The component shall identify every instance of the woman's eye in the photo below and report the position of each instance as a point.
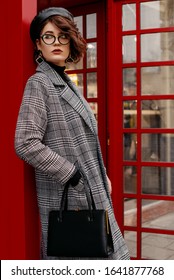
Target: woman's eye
(47, 36)
(63, 36)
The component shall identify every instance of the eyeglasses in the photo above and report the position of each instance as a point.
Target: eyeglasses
(50, 39)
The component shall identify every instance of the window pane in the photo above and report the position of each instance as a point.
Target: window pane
(130, 114)
(130, 146)
(129, 17)
(91, 55)
(157, 80)
(74, 66)
(130, 212)
(158, 180)
(129, 82)
(156, 14)
(157, 147)
(130, 179)
(91, 27)
(157, 113)
(158, 214)
(157, 46)
(129, 49)
(78, 80)
(92, 85)
(131, 241)
(94, 107)
(79, 22)
(157, 246)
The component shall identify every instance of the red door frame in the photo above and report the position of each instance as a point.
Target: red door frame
(114, 116)
(115, 119)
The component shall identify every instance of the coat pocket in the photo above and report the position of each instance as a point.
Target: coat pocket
(80, 186)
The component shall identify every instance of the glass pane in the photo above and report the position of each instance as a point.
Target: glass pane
(130, 114)
(91, 26)
(157, 14)
(129, 49)
(157, 246)
(158, 180)
(74, 66)
(129, 17)
(94, 107)
(158, 147)
(78, 80)
(130, 179)
(157, 80)
(157, 46)
(129, 82)
(131, 240)
(91, 55)
(92, 85)
(79, 22)
(157, 113)
(130, 212)
(130, 146)
(158, 214)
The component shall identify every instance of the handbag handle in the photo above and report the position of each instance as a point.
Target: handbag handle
(90, 200)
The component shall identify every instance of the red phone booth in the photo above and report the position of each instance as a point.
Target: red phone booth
(127, 78)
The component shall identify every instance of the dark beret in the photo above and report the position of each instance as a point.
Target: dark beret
(44, 15)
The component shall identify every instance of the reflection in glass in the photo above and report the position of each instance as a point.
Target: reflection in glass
(129, 82)
(157, 14)
(92, 85)
(129, 17)
(157, 246)
(130, 146)
(157, 113)
(94, 107)
(78, 80)
(91, 55)
(130, 179)
(79, 22)
(160, 50)
(158, 180)
(157, 80)
(129, 49)
(131, 241)
(130, 114)
(130, 212)
(158, 214)
(157, 147)
(91, 26)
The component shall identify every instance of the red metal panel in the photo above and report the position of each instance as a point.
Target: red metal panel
(19, 221)
(115, 148)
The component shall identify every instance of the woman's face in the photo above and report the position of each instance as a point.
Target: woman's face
(56, 52)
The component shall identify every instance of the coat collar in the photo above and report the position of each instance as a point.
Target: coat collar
(70, 94)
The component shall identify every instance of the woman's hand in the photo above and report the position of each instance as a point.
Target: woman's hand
(109, 185)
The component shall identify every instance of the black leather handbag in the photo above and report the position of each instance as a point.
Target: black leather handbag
(81, 233)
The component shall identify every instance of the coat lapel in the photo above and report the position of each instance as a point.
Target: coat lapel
(70, 94)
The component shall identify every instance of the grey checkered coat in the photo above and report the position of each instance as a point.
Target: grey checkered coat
(56, 132)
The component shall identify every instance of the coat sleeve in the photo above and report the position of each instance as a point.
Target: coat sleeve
(30, 130)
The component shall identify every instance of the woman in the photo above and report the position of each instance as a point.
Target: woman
(56, 131)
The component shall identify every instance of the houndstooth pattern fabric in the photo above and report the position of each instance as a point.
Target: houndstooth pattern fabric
(56, 132)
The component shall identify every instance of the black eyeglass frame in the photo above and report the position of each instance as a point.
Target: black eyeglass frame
(53, 36)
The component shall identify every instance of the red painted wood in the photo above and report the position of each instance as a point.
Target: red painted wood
(19, 233)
